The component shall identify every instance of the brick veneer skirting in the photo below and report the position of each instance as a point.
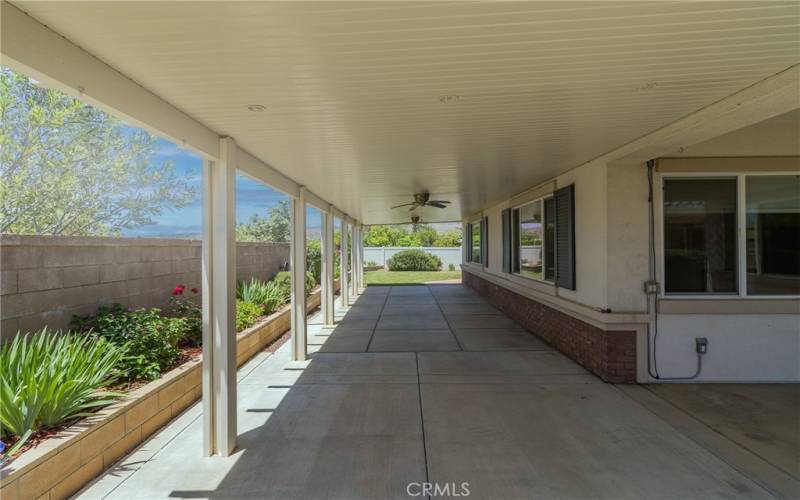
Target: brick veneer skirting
(611, 355)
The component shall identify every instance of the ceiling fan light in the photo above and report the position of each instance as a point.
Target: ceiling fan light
(256, 108)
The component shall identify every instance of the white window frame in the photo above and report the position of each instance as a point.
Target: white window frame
(741, 234)
(541, 201)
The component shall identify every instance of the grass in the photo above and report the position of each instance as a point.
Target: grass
(408, 277)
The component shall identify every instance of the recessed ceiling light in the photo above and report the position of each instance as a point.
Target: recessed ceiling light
(449, 98)
(256, 108)
(646, 86)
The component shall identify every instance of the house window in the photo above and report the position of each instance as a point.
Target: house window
(535, 237)
(773, 234)
(476, 231)
(700, 236)
(736, 234)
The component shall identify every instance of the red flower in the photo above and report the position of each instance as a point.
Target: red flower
(195, 290)
(178, 290)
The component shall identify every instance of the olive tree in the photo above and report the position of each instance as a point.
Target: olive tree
(67, 168)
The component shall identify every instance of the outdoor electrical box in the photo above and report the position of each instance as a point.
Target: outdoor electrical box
(651, 287)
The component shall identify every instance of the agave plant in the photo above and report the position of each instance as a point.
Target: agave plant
(47, 378)
(267, 295)
(275, 297)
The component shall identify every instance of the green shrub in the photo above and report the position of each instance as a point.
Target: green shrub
(149, 340)
(451, 267)
(187, 307)
(270, 295)
(414, 260)
(274, 298)
(283, 280)
(247, 314)
(47, 378)
(314, 259)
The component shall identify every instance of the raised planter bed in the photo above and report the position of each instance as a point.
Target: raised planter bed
(64, 463)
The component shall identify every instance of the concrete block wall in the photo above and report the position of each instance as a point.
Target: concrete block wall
(45, 280)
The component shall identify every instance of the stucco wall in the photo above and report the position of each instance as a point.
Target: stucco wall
(590, 236)
(47, 279)
(628, 229)
(755, 339)
(741, 347)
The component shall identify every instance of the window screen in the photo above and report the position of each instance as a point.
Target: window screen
(531, 236)
(700, 236)
(773, 234)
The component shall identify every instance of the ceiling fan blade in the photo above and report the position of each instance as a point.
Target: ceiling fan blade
(439, 201)
(435, 204)
(412, 208)
(403, 205)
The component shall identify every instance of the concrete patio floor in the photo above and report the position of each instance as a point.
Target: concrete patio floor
(429, 384)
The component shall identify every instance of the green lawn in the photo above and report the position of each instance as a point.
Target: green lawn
(408, 277)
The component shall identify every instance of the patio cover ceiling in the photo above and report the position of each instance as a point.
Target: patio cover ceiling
(370, 102)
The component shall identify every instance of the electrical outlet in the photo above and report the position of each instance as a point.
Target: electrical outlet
(651, 287)
(701, 345)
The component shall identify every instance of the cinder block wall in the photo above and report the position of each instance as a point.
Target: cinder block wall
(44, 280)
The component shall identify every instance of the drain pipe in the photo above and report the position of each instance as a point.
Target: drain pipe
(651, 289)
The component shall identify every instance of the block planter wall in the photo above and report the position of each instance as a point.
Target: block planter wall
(611, 355)
(47, 279)
(64, 463)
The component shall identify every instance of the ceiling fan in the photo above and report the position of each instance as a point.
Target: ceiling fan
(423, 200)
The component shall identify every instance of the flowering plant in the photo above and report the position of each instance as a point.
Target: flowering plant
(187, 307)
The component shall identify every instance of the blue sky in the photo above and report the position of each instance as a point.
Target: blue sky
(251, 198)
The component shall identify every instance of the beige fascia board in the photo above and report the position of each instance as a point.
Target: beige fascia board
(338, 213)
(254, 168)
(770, 97)
(730, 164)
(39, 52)
(542, 190)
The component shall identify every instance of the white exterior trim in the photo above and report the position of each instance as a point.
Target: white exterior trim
(344, 279)
(741, 235)
(327, 269)
(539, 200)
(219, 303)
(298, 270)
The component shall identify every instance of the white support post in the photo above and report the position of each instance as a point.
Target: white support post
(345, 290)
(327, 268)
(298, 269)
(354, 263)
(360, 259)
(219, 302)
